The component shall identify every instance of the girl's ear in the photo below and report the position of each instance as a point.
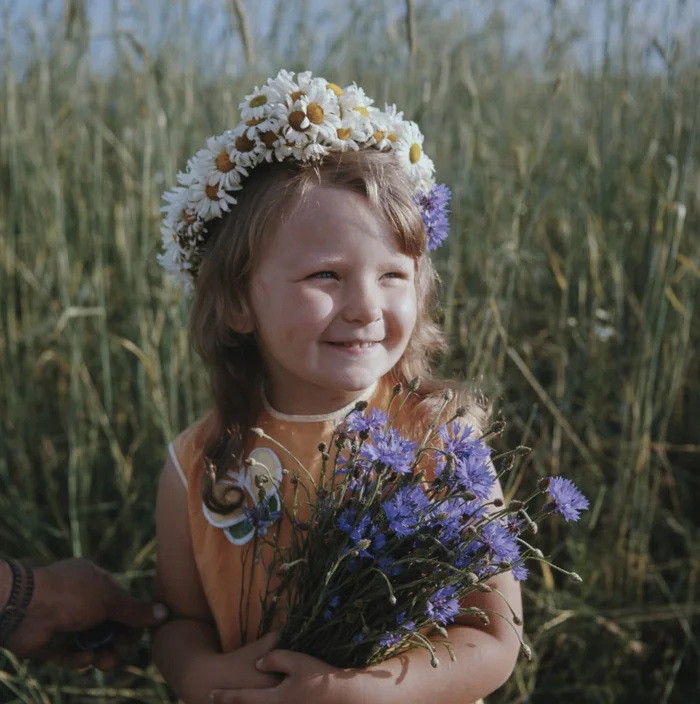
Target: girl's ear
(241, 321)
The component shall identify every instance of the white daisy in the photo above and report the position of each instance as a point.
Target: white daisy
(354, 130)
(354, 98)
(258, 104)
(170, 257)
(394, 122)
(308, 83)
(261, 125)
(209, 202)
(309, 152)
(214, 166)
(409, 151)
(178, 214)
(382, 125)
(281, 151)
(312, 117)
(244, 151)
(184, 178)
(296, 125)
(282, 85)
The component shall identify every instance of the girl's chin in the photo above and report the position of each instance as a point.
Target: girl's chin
(353, 384)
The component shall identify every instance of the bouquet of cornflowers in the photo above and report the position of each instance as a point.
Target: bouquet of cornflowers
(399, 533)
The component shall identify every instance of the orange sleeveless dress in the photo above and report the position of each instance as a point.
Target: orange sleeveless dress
(224, 546)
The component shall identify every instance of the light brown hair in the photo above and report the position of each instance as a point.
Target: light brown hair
(234, 247)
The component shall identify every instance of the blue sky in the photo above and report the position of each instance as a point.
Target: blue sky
(527, 19)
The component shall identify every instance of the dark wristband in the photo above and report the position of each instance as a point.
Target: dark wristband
(21, 594)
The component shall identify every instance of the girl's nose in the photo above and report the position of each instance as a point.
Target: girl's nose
(362, 304)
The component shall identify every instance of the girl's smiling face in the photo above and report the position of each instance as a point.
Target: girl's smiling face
(333, 303)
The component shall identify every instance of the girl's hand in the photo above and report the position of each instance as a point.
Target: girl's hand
(306, 679)
(238, 668)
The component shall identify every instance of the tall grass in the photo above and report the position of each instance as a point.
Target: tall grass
(570, 292)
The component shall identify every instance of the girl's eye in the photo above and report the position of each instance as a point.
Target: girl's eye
(324, 275)
(396, 275)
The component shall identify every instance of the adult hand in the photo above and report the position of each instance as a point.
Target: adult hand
(305, 679)
(76, 595)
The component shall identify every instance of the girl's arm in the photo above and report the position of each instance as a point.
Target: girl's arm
(186, 649)
(485, 658)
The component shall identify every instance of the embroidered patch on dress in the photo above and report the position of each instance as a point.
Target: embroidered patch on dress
(262, 506)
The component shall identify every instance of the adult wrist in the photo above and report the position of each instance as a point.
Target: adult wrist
(15, 609)
(5, 583)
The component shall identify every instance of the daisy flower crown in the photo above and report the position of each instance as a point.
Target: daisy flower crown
(301, 117)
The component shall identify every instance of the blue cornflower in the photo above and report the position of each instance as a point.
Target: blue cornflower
(498, 545)
(262, 517)
(360, 474)
(333, 603)
(357, 421)
(460, 440)
(359, 530)
(443, 606)
(346, 520)
(386, 565)
(435, 213)
(378, 539)
(520, 572)
(514, 525)
(390, 450)
(406, 625)
(447, 517)
(389, 640)
(476, 475)
(359, 638)
(404, 509)
(567, 499)
(501, 545)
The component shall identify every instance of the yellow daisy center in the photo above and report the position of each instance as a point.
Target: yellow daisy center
(344, 133)
(268, 138)
(296, 95)
(335, 88)
(258, 101)
(363, 111)
(315, 113)
(392, 137)
(379, 136)
(243, 144)
(296, 119)
(254, 121)
(223, 162)
(414, 153)
(212, 193)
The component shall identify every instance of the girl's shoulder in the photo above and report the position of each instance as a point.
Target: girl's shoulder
(447, 396)
(187, 448)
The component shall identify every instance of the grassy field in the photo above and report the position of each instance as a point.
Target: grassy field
(571, 293)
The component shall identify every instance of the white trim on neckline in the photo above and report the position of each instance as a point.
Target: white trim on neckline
(334, 415)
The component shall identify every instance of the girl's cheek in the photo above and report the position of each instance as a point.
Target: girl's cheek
(314, 306)
(404, 305)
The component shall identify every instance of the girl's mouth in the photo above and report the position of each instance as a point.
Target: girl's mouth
(353, 345)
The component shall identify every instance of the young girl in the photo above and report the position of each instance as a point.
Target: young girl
(312, 290)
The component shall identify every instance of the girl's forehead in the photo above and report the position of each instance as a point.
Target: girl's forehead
(331, 220)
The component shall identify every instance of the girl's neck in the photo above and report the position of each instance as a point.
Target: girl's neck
(325, 402)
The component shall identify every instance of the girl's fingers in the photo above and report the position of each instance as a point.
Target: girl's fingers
(282, 661)
(242, 696)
